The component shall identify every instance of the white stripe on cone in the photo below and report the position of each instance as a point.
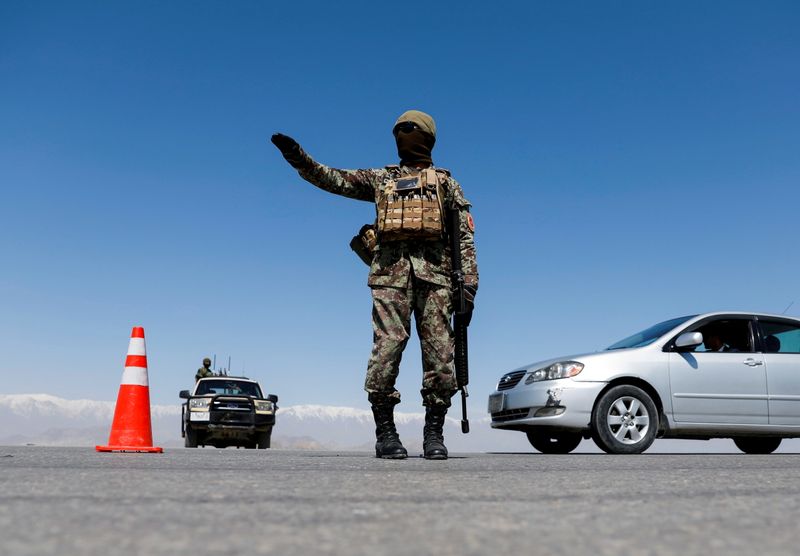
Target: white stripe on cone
(136, 347)
(135, 376)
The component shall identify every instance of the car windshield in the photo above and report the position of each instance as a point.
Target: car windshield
(650, 335)
(228, 388)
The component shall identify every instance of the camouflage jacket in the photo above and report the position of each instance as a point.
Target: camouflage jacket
(394, 262)
(202, 372)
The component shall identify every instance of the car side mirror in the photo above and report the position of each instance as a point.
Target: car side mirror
(688, 340)
(273, 398)
(185, 394)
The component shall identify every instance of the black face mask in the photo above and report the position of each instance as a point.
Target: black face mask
(414, 147)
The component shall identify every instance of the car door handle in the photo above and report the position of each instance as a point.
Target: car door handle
(750, 362)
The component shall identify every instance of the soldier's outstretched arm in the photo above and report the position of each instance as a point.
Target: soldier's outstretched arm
(355, 184)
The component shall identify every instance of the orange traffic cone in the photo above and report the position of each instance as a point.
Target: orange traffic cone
(130, 431)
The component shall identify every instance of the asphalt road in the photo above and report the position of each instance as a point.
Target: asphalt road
(194, 502)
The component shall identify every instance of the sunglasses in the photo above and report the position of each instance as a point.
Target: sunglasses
(405, 127)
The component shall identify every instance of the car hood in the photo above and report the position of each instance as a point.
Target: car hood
(585, 358)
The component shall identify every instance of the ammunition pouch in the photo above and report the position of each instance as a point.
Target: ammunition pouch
(410, 207)
(364, 243)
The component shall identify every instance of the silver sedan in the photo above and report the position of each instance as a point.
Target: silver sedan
(716, 375)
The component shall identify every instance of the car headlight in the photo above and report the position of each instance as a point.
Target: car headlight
(199, 403)
(562, 369)
(263, 405)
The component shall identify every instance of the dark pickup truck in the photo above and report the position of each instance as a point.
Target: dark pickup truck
(227, 411)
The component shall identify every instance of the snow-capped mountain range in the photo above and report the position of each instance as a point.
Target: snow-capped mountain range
(47, 420)
(44, 419)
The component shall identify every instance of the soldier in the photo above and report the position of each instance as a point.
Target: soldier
(409, 273)
(204, 371)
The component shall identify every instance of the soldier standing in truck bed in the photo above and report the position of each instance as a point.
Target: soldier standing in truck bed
(204, 371)
(409, 272)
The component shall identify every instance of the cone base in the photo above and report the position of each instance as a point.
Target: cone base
(143, 449)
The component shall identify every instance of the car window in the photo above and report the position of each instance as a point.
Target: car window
(227, 388)
(725, 335)
(650, 335)
(780, 337)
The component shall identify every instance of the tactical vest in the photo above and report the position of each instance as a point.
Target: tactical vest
(411, 207)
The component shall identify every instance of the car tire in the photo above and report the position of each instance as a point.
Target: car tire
(757, 445)
(554, 442)
(190, 441)
(624, 420)
(264, 439)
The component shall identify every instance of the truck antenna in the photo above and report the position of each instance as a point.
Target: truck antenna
(214, 364)
(787, 307)
(229, 366)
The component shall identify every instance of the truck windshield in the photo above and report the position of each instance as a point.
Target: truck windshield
(647, 337)
(228, 388)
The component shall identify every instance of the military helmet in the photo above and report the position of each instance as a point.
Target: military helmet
(423, 120)
(206, 360)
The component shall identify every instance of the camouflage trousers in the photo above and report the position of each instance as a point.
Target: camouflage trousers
(392, 308)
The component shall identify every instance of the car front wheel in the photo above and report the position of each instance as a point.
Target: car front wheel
(624, 420)
(756, 445)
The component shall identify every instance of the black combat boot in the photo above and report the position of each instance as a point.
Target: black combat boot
(433, 434)
(388, 445)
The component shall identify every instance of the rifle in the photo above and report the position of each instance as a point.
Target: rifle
(459, 312)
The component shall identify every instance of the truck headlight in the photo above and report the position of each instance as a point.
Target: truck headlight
(562, 369)
(200, 404)
(263, 405)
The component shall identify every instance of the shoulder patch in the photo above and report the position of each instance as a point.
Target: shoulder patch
(470, 222)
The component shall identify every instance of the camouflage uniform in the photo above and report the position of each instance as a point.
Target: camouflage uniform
(406, 277)
(203, 372)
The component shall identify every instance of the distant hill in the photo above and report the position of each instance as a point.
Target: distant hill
(48, 420)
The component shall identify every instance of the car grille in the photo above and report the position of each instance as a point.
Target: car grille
(510, 414)
(510, 380)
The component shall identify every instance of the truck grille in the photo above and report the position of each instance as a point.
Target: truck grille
(510, 380)
(223, 404)
(231, 411)
(510, 414)
(231, 417)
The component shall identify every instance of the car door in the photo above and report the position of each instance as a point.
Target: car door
(722, 380)
(780, 342)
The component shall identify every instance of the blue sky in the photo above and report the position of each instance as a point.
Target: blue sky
(627, 162)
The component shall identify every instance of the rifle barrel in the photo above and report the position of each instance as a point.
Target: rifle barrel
(461, 354)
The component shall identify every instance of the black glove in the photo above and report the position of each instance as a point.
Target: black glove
(469, 302)
(290, 149)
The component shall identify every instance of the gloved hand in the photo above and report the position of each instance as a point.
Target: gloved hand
(469, 301)
(290, 149)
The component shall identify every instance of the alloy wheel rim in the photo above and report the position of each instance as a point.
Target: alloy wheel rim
(628, 420)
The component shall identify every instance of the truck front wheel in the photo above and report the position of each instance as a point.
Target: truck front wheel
(191, 437)
(264, 439)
